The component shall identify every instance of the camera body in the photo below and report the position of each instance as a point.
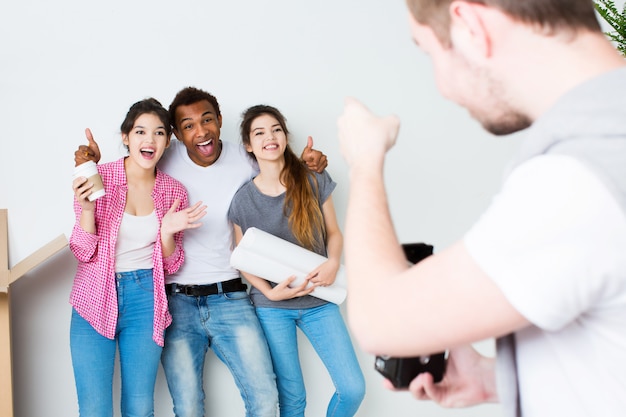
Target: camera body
(401, 371)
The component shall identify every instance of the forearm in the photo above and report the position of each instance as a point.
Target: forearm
(372, 252)
(334, 246)
(258, 283)
(371, 245)
(173, 224)
(88, 221)
(168, 244)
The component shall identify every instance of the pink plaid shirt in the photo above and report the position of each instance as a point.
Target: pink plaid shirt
(94, 293)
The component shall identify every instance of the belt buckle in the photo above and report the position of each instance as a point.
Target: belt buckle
(187, 289)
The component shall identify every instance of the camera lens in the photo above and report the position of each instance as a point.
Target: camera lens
(380, 364)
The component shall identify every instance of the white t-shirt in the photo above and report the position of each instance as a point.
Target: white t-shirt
(554, 241)
(208, 248)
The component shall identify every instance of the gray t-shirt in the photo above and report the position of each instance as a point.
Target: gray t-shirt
(251, 208)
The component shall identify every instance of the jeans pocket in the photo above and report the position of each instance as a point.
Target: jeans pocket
(145, 280)
(236, 295)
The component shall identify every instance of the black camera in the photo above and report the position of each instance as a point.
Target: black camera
(401, 371)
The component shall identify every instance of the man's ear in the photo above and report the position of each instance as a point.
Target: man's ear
(413, 25)
(470, 30)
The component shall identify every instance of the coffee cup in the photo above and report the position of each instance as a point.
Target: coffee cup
(89, 170)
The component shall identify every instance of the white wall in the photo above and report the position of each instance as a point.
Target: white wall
(69, 64)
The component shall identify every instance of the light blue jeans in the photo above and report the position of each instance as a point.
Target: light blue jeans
(227, 323)
(93, 355)
(327, 332)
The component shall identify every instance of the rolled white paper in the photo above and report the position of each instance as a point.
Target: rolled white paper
(272, 258)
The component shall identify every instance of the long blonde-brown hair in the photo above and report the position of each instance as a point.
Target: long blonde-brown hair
(302, 205)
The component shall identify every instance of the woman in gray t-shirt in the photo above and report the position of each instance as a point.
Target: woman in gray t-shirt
(295, 204)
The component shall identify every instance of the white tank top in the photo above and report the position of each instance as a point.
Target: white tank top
(135, 242)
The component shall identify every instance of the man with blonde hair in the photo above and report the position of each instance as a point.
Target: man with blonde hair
(543, 270)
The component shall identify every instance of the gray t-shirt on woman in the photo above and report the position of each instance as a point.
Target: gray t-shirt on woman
(251, 208)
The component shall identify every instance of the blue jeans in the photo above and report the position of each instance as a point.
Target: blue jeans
(93, 355)
(227, 323)
(327, 332)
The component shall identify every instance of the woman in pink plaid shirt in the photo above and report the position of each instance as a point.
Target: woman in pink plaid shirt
(125, 243)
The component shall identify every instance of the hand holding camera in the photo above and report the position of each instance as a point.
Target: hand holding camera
(401, 371)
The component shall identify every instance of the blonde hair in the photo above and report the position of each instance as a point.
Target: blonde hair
(549, 15)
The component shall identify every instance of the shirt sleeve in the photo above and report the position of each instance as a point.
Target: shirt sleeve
(82, 244)
(326, 185)
(551, 240)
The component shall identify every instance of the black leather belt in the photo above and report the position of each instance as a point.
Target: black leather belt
(203, 290)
